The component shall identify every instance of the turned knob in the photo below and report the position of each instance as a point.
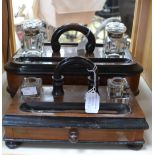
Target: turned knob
(73, 136)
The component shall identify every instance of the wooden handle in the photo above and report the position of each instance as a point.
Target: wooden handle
(65, 64)
(90, 46)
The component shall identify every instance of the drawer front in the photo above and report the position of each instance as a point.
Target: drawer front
(73, 135)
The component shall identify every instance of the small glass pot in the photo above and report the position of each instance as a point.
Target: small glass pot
(116, 87)
(33, 38)
(115, 42)
(31, 88)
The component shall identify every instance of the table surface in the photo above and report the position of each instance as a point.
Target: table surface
(145, 101)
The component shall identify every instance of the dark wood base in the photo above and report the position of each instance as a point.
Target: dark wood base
(18, 133)
(14, 143)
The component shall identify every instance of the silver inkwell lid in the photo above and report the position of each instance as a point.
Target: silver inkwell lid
(32, 27)
(115, 29)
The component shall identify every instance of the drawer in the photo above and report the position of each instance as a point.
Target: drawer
(73, 135)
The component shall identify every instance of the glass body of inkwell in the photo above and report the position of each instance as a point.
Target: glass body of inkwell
(33, 38)
(116, 41)
(31, 88)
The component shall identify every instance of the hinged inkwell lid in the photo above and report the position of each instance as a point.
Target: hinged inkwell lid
(115, 29)
(32, 27)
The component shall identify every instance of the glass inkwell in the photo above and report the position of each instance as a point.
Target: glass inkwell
(118, 90)
(31, 89)
(33, 38)
(116, 42)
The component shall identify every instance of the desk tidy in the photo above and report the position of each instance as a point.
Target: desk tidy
(112, 58)
(62, 113)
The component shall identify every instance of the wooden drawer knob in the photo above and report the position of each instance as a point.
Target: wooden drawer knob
(73, 135)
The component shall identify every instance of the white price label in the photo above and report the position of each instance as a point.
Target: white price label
(92, 102)
(29, 91)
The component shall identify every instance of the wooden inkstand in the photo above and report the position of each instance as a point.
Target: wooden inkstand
(58, 114)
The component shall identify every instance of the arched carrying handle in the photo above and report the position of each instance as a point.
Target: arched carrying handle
(90, 46)
(66, 63)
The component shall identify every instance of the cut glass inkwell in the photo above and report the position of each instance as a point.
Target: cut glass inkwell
(33, 38)
(117, 90)
(116, 41)
(31, 88)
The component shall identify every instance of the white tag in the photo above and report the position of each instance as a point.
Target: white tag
(92, 102)
(29, 90)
